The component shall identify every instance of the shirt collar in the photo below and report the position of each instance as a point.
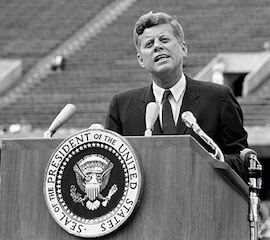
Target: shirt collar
(176, 90)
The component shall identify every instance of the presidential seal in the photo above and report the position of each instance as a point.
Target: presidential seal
(93, 183)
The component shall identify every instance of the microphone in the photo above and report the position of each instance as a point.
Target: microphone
(191, 122)
(255, 167)
(151, 114)
(248, 153)
(66, 113)
(255, 184)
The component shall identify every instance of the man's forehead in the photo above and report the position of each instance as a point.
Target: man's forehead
(157, 30)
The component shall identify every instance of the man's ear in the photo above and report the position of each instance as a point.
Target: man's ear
(184, 48)
(140, 60)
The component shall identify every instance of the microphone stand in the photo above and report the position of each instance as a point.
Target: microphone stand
(48, 134)
(218, 153)
(148, 132)
(255, 180)
(190, 121)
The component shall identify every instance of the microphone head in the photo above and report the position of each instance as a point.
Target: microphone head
(66, 113)
(246, 153)
(151, 114)
(188, 119)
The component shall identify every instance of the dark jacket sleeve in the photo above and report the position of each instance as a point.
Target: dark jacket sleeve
(234, 137)
(113, 119)
(220, 117)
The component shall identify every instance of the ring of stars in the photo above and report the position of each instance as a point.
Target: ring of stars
(60, 176)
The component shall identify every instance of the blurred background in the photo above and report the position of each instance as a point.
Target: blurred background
(55, 52)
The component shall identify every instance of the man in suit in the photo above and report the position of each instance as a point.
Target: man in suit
(161, 49)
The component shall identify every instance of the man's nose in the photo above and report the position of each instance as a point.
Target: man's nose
(157, 45)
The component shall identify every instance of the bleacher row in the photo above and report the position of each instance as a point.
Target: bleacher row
(30, 30)
(256, 111)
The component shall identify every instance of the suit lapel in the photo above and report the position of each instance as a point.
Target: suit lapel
(189, 103)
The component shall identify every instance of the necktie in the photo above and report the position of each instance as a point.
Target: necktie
(167, 116)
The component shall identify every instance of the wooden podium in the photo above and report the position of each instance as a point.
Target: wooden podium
(187, 194)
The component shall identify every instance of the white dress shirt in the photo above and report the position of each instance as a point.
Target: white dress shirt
(175, 99)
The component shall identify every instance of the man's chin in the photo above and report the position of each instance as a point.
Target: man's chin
(163, 68)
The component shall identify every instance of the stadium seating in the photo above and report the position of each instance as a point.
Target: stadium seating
(107, 64)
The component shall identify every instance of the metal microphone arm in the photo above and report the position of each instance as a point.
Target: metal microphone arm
(190, 121)
(255, 183)
(48, 134)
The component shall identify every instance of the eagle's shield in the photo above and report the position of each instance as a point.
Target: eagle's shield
(92, 190)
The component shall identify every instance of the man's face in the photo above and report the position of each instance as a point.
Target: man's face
(160, 51)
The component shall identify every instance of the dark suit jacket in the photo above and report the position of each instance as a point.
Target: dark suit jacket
(216, 109)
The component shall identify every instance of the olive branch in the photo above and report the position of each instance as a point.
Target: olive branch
(76, 197)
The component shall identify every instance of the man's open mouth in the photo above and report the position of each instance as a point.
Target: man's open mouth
(161, 56)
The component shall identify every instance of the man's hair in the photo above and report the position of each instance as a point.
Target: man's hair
(152, 19)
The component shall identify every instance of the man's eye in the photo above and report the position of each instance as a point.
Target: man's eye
(148, 44)
(164, 40)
